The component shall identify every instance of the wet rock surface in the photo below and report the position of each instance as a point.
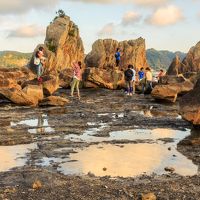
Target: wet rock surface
(97, 120)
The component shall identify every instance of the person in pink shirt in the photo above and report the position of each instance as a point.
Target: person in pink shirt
(76, 78)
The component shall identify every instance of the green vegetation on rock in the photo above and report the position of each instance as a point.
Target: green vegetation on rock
(162, 59)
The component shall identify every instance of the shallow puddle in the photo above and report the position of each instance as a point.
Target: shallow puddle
(132, 159)
(14, 156)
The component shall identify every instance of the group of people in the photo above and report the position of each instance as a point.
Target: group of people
(145, 77)
(38, 63)
(131, 76)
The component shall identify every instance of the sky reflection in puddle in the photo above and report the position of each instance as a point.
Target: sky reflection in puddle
(14, 156)
(132, 159)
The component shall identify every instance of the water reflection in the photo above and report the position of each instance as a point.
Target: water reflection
(14, 156)
(132, 159)
(38, 125)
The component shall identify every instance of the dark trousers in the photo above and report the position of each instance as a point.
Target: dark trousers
(117, 63)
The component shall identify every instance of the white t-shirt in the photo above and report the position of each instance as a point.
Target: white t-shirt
(36, 61)
(134, 73)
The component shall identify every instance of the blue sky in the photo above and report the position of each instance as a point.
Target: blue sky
(165, 24)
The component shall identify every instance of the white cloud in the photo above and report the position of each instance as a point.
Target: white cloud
(166, 16)
(130, 18)
(23, 6)
(139, 2)
(27, 31)
(107, 30)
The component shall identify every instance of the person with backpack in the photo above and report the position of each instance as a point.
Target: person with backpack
(128, 78)
(117, 57)
(76, 78)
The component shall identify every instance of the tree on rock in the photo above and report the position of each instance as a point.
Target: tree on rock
(60, 13)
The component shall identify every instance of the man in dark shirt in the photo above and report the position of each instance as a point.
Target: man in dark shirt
(128, 78)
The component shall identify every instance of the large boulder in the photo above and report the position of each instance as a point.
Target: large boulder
(9, 83)
(50, 84)
(191, 63)
(190, 105)
(13, 76)
(62, 45)
(102, 55)
(65, 77)
(34, 91)
(171, 87)
(110, 79)
(54, 101)
(164, 92)
(18, 96)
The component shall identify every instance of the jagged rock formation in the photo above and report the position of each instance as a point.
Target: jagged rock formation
(191, 63)
(62, 45)
(102, 70)
(176, 67)
(190, 105)
(102, 55)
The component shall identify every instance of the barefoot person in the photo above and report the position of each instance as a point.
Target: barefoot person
(128, 78)
(76, 78)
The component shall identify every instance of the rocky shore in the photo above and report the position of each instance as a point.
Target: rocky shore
(48, 129)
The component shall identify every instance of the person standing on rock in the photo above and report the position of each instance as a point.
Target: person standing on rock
(117, 57)
(39, 63)
(76, 78)
(128, 78)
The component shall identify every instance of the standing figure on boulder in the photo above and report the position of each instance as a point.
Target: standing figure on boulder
(39, 63)
(76, 78)
(117, 57)
(128, 78)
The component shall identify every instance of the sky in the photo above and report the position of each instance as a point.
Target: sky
(164, 24)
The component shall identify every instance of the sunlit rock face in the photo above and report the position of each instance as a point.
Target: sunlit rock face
(62, 44)
(191, 63)
(101, 64)
(102, 55)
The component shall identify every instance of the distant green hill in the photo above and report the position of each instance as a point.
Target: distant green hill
(162, 59)
(14, 58)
